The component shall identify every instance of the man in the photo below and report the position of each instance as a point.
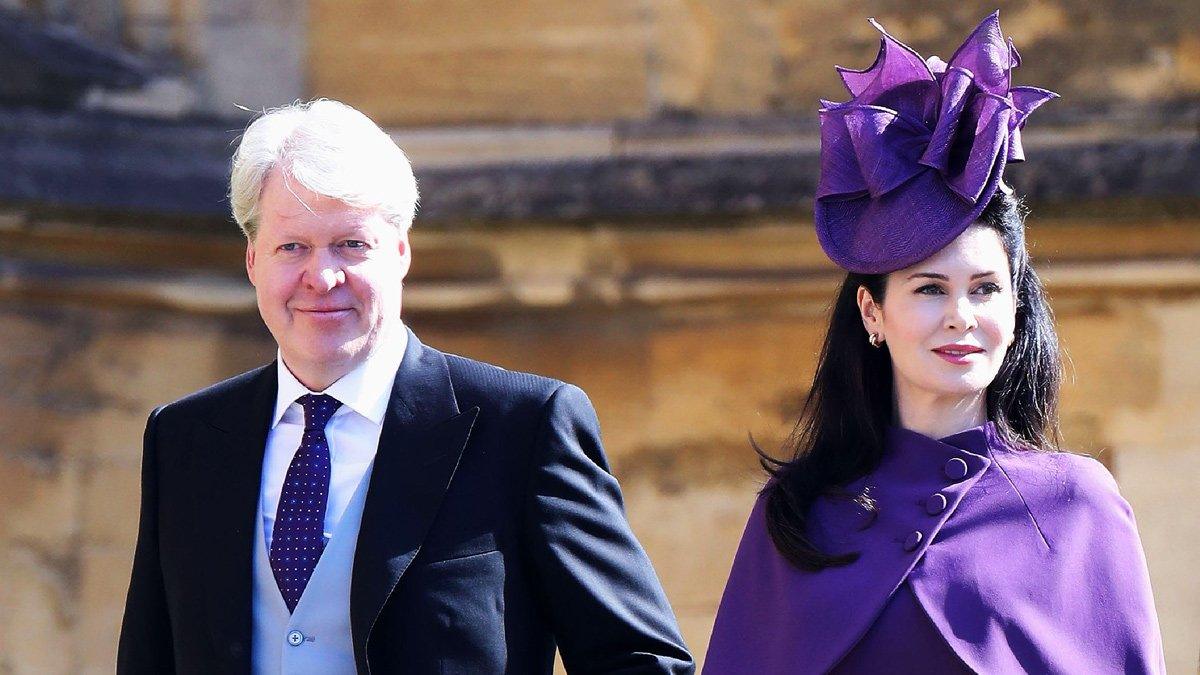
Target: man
(367, 503)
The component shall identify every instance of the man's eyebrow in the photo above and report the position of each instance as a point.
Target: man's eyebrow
(943, 277)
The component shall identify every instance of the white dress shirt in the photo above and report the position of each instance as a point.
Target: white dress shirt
(352, 432)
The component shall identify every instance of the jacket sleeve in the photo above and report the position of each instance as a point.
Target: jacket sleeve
(605, 605)
(145, 643)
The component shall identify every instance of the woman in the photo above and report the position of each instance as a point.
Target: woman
(926, 522)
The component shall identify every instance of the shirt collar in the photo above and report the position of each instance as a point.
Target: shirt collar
(365, 390)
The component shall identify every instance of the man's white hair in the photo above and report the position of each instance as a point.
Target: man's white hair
(329, 148)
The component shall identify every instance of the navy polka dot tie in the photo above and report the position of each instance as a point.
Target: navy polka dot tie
(298, 538)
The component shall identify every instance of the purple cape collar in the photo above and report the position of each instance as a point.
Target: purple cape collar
(816, 618)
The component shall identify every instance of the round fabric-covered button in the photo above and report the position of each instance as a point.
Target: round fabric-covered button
(913, 541)
(935, 504)
(956, 469)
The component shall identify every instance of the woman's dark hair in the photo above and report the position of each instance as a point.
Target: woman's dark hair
(840, 434)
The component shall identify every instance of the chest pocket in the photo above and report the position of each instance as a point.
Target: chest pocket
(439, 549)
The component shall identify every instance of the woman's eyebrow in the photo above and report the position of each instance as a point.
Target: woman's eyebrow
(943, 277)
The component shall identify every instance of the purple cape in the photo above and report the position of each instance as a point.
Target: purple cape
(1024, 562)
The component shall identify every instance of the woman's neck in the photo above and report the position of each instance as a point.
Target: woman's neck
(938, 416)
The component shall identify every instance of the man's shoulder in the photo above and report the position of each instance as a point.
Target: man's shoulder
(492, 386)
(487, 379)
(219, 394)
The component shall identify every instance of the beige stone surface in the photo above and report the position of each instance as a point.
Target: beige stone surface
(720, 56)
(692, 559)
(110, 492)
(39, 612)
(103, 437)
(1160, 484)
(1172, 423)
(1105, 346)
(436, 61)
(448, 62)
(727, 380)
(130, 366)
(41, 501)
(103, 581)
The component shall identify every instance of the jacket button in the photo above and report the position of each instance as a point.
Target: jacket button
(295, 638)
(913, 541)
(935, 504)
(956, 469)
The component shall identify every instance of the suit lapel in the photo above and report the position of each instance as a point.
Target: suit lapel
(423, 438)
(227, 459)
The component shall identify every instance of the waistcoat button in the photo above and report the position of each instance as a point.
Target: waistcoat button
(935, 504)
(295, 638)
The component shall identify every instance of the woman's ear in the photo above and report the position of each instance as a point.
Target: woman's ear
(872, 313)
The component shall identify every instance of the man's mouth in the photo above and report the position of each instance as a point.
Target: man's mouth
(324, 312)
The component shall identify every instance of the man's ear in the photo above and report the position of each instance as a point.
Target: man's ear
(405, 254)
(250, 260)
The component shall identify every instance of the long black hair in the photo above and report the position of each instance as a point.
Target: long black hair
(840, 434)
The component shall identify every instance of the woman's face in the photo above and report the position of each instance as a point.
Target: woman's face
(948, 320)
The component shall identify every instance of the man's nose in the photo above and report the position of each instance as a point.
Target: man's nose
(323, 274)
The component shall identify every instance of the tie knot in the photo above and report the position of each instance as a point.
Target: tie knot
(318, 409)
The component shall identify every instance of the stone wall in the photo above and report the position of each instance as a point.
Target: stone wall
(448, 62)
(687, 339)
(452, 61)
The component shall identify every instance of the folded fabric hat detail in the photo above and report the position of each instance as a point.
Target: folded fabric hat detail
(912, 159)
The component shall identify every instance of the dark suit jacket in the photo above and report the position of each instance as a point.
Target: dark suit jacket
(492, 530)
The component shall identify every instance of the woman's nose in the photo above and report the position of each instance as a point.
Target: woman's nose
(961, 315)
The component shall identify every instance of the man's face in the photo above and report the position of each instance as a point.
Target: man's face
(327, 276)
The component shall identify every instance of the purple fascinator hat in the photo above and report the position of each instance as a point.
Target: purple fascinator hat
(912, 159)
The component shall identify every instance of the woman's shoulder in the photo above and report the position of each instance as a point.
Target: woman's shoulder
(1062, 482)
(1071, 467)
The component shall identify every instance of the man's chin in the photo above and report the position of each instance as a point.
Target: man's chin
(332, 354)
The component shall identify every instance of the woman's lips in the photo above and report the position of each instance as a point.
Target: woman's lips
(958, 355)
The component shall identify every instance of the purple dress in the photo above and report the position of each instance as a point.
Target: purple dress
(982, 558)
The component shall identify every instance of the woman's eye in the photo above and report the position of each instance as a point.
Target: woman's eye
(929, 289)
(988, 288)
